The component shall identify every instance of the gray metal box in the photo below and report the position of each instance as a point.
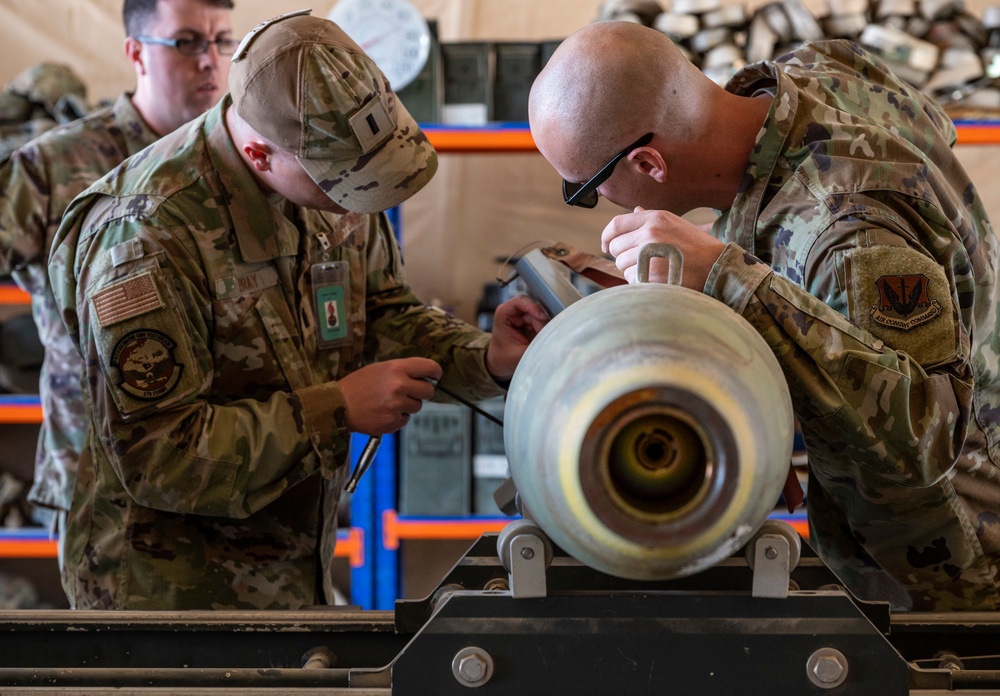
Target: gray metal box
(434, 461)
(489, 462)
(517, 66)
(467, 67)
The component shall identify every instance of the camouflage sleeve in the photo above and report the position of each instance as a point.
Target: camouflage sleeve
(876, 407)
(24, 214)
(178, 441)
(402, 326)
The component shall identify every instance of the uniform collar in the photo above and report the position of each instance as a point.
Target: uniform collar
(742, 217)
(137, 133)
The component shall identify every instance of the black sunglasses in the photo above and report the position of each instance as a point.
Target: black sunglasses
(585, 195)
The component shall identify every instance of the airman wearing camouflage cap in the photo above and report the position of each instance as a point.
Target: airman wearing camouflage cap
(239, 299)
(851, 238)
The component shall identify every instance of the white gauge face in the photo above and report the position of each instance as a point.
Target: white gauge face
(392, 32)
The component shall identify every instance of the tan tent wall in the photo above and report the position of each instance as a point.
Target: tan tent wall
(478, 207)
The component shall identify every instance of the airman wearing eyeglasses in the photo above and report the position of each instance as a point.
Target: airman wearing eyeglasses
(180, 51)
(850, 237)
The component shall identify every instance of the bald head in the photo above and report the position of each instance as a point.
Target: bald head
(610, 83)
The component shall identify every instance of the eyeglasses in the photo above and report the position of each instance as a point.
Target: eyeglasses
(193, 47)
(585, 195)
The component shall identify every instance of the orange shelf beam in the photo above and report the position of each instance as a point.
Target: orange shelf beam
(27, 548)
(515, 139)
(20, 410)
(984, 133)
(395, 527)
(471, 140)
(350, 544)
(10, 294)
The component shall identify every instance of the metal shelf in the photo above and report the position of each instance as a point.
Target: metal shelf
(978, 132)
(516, 137)
(10, 294)
(35, 542)
(20, 408)
(396, 528)
(501, 137)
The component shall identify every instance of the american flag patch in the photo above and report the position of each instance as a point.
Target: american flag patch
(126, 299)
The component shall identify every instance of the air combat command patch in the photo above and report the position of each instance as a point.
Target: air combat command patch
(904, 301)
(902, 296)
(145, 364)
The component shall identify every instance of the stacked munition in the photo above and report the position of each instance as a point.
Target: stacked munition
(936, 45)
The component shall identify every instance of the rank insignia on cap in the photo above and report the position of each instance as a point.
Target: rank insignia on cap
(904, 301)
(147, 368)
(372, 125)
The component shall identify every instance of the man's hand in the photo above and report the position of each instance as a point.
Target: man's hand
(380, 397)
(626, 234)
(515, 323)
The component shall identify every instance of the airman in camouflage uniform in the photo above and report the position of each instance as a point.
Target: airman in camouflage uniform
(853, 241)
(225, 329)
(43, 177)
(35, 188)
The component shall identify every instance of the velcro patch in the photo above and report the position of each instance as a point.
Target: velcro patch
(903, 297)
(126, 298)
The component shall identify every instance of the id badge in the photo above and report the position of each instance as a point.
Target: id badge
(332, 300)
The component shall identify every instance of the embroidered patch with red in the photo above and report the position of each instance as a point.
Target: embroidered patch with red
(904, 301)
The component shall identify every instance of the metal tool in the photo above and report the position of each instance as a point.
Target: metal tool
(371, 447)
(364, 462)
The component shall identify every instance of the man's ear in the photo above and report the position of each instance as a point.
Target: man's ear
(133, 52)
(259, 154)
(648, 161)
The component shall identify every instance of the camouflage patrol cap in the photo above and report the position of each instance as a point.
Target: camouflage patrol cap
(302, 83)
(46, 84)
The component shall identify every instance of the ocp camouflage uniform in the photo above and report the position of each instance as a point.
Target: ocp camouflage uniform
(36, 187)
(878, 294)
(213, 479)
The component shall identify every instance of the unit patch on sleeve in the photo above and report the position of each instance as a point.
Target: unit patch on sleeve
(903, 301)
(145, 364)
(903, 297)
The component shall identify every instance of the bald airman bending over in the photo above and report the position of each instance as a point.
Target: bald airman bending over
(851, 238)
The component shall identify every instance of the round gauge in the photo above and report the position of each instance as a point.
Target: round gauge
(392, 32)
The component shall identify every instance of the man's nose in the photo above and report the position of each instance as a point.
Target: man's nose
(210, 58)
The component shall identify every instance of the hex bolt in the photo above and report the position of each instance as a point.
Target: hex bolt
(472, 669)
(827, 668)
(472, 666)
(771, 553)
